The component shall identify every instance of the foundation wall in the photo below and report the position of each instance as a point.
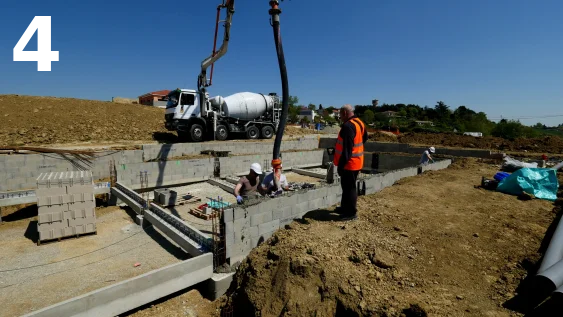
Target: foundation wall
(156, 151)
(166, 173)
(130, 294)
(406, 148)
(20, 171)
(246, 227)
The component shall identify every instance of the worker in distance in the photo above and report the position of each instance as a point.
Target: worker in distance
(426, 157)
(248, 184)
(349, 159)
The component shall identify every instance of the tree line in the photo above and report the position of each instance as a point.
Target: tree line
(440, 118)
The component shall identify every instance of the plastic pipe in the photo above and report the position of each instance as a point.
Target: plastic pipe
(275, 13)
(554, 252)
(554, 274)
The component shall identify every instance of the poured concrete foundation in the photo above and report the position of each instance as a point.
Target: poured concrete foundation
(245, 226)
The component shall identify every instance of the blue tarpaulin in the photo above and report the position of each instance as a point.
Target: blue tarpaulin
(540, 182)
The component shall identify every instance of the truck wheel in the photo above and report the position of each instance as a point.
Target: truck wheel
(196, 132)
(267, 132)
(252, 132)
(222, 133)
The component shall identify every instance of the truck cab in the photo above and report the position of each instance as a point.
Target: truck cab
(182, 110)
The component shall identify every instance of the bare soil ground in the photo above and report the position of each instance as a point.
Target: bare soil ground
(548, 144)
(77, 123)
(35, 121)
(431, 245)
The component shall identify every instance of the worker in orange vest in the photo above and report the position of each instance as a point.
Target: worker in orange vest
(349, 159)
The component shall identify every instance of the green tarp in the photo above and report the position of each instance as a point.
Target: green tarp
(540, 182)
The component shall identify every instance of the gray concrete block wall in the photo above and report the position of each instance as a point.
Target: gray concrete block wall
(163, 173)
(19, 172)
(437, 165)
(154, 151)
(406, 148)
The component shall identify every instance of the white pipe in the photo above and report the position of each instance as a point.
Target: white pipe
(554, 252)
(554, 274)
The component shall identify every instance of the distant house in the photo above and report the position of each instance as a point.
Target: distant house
(430, 123)
(389, 113)
(307, 113)
(335, 114)
(155, 98)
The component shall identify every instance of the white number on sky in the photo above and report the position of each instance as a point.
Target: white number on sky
(43, 56)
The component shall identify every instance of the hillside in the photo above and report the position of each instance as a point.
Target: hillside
(50, 120)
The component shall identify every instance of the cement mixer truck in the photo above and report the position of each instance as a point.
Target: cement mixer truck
(197, 117)
(246, 114)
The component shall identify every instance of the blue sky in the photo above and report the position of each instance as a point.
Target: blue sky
(503, 57)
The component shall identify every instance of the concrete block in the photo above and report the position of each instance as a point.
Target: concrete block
(300, 208)
(261, 218)
(316, 204)
(52, 191)
(239, 251)
(239, 213)
(282, 213)
(241, 224)
(229, 234)
(228, 215)
(218, 285)
(269, 226)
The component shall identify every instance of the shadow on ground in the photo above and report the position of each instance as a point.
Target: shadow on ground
(320, 215)
(26, 212)
(165, 137)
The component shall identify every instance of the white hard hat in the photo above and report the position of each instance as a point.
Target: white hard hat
(432, 149)
(256, 168)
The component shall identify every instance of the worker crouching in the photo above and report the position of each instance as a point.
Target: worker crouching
(248, 185)
(268, 186)
(349, 159)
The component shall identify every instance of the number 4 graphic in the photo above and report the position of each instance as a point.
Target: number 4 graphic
(43, 56)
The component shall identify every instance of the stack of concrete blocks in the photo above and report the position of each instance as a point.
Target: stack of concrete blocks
(66, 204)
(165, 196)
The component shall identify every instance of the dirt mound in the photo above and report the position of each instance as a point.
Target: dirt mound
(383, 137)
(49, 120)
(444, 248)
(547, 144)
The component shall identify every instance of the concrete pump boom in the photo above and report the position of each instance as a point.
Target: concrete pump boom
(229, 5)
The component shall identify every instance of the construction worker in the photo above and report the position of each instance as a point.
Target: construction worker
(349, 159)
(268, 185)
(426, 157)
(248, 185)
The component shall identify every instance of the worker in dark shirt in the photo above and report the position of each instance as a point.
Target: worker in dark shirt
(349, 159)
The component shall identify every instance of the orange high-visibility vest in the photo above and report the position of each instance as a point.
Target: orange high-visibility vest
(356, 162)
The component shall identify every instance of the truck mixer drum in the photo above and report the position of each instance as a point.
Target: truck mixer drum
(247, 105)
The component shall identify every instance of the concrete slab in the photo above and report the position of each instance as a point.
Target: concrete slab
(127, 295)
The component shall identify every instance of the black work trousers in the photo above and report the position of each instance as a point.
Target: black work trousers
(349, 192)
